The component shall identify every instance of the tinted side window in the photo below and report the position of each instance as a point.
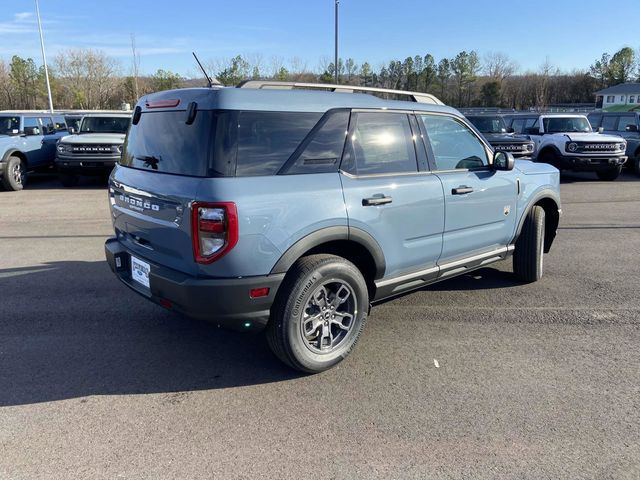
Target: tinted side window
(382, 143)
(321, 152)
(609, 122)
(594, 120)
(59, 123)
(625, 120)
(47, 125)
(453, 144)
(267, 139)
(518, 125)
(30, 122)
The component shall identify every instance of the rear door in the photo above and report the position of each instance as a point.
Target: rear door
(33, 142)
(480, 203)
(388, 195)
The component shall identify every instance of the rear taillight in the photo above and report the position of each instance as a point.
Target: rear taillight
(214, 230)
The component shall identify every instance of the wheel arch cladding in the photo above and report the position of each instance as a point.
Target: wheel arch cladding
(551, 207)
(551, 220)
(352, 244)
(15, 153)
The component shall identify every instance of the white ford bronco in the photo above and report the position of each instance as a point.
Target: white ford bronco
(567, 142)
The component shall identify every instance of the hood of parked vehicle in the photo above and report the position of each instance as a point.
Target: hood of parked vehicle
(506, 138)
(528, 167)
(97, 138)
(591, 137)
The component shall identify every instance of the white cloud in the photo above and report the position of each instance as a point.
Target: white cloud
(22, 16)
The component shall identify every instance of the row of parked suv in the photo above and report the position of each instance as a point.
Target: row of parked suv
(602, 142)
(75, 144)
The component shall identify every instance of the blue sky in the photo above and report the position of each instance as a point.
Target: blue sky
(571, 33)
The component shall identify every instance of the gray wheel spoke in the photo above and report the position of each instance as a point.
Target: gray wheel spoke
(315, 321)
(326, 334)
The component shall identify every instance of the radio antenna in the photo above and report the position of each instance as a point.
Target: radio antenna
(209, 81)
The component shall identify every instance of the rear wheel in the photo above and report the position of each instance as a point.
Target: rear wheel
(319, 314)
(609, 174)
(14, 176)
(528, 257)
(68, 179)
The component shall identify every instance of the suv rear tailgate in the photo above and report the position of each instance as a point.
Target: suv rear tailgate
(156, 226)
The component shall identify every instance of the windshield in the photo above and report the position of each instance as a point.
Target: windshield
(489, 124)
(566, 124)
(105, 124)
(9, 125)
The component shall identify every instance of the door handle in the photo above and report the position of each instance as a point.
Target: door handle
(462, 190)
(377, 200)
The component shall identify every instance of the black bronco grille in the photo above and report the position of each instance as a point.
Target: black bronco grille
(94, 149)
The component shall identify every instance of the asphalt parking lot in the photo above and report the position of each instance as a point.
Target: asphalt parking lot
(533, 381)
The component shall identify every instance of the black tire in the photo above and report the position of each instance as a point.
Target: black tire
(68, 180)
(298, 309)
(636, 164)
(547, 156)
(610, 174)
(14, 176)
(528, 263)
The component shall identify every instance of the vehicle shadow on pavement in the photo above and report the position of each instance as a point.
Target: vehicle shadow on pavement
(481, 279)
(71, 329)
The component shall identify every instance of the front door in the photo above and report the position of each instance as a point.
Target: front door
(480, 203)
(388, 196)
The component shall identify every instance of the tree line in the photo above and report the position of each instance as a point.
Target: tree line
(89, 79)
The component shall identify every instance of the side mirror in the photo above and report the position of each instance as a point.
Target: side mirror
(503, 161)
(72, 130)
(631, 128)
(532, 131)
(510, 130)
(600, 129)
(31, 131)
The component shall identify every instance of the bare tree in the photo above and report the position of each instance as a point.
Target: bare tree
(88, 77)
(499, 66)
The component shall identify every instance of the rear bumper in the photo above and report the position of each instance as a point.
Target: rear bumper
(224, 301)
(590, 164)
(87, 165)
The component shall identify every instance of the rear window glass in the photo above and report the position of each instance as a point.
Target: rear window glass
(163, 142)
(105, 124)
(266, 140)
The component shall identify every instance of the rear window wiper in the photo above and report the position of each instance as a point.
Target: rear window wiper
(150, 161)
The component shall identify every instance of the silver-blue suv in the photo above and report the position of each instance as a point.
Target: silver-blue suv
(295, 209)
(27, 143)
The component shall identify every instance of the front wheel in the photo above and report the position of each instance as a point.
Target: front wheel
(319, 314)
(14, 176)
(68, 180)
(610, 174)
(528, 256)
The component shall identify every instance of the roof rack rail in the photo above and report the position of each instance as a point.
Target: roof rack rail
(418, 97)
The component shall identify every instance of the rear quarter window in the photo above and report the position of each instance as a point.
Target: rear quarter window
(266, 140)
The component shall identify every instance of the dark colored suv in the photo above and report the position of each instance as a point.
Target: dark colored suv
(501, 137)
(624, 124)
(295, 209)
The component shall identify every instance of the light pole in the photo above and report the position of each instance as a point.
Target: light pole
(44, 58)
(335, 64)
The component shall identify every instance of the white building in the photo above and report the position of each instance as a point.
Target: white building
(623, 94)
